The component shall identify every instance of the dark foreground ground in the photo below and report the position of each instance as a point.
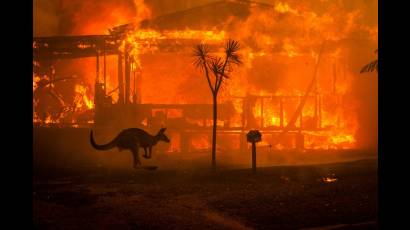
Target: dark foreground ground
(282, 197)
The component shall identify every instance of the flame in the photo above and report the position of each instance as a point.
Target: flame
(82, 100)
(145, 122)
(36, 80)
(282, 7)
(279, 48)
(274, 121)
(48, 120)
(290, 50)
(338, 139)
(200, 142)
(141, 41)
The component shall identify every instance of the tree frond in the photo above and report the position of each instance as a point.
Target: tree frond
(374, 65)
(231, 50)
(201, 55)
(216, 65)
(231, 47)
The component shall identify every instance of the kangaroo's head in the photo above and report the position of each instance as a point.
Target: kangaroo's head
(161, 136)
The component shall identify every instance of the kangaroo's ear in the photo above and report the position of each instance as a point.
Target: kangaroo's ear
(162, 130)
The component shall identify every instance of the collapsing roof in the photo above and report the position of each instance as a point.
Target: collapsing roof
(205, 17)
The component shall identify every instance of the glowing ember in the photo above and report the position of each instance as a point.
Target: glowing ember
(36, 80)
(329, 179)
(48, 120)
(83, 46)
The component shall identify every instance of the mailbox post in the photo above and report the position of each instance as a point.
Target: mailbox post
(254, 136)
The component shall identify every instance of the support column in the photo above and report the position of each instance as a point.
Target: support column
(320, 112)
(120, 81)
(261, 112)
(127, 77)
(300, 116)
(281, 112)
(97, 79)
(105, 74)
(97, 101)
(134, 95)
(244, 117)
(138, 86)
(316, 112)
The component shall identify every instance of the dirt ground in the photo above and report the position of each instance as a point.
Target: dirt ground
(282, 197)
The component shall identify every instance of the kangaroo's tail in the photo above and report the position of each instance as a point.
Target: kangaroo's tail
(107, 146)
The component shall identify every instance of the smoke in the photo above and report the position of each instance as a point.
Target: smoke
(161, 7)
(78, 17)
(45, 18)
(143, 12)
(95, 17)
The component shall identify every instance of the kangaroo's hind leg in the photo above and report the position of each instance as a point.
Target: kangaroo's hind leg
(146, 154)
(150, 151)
(136, 157)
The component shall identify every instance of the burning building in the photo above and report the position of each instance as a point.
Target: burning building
(299, 83)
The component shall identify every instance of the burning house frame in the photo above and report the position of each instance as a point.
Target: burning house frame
(318, 122)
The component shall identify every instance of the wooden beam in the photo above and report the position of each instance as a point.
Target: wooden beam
(316, 111)
(127, 77)
(134, 95)
(120, 81)
(300, 119)
(97, 61)
(281, 112)
(105, 74)
(320, 112)
(261, 112)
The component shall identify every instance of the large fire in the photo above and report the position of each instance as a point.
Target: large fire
(280, 49)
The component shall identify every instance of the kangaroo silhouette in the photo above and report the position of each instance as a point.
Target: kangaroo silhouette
(132, 139)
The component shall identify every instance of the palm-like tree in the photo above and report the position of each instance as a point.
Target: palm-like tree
(218, 67)
(374, 65)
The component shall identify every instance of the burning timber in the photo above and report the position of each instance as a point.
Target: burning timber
(303, 119)
(186, 119)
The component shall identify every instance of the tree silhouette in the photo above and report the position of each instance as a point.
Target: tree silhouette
(218, 67)
(374, 65)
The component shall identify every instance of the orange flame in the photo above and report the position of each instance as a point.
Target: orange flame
(82, 101)
(279, 51)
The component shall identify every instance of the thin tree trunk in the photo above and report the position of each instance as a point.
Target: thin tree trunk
(215, 105)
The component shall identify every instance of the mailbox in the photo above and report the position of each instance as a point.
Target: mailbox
(254, 136)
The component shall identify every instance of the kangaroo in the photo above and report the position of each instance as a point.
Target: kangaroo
(132, 139)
